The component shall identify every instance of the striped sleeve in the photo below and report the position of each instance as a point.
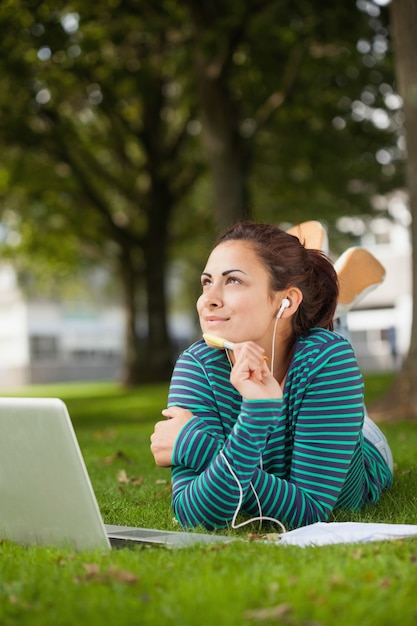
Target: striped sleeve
(205, 490)
(203, 436)
(210, 497)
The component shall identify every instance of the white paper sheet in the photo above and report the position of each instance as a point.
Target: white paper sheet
(325, 533)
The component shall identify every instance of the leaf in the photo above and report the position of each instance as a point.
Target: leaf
(93, 573)
(122, 576)
(273, 612)
(103, 435)
(92, 569)
(116, 456)
(275, 537)
(122, 476)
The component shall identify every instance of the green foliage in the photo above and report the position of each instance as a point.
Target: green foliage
(96, 126)
(91, 95)
(242, 583)
(102, 113)
(317, 157)
(91, 101)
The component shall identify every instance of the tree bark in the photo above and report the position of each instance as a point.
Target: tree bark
(228, 151)
(400, 401)
(225, 147)
(131, 367)
(147, 358)
(158, 347)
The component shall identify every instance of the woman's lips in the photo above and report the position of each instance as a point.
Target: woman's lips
(213, 320)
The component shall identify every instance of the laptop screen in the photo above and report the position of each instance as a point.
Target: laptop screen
(45, 492)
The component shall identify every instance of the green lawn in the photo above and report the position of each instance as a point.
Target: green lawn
(242, 583)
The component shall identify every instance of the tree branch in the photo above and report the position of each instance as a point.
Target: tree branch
(278, 98)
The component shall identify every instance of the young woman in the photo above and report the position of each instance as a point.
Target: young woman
(271, 426)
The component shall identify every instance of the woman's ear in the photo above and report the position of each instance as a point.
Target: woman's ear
(294, 296)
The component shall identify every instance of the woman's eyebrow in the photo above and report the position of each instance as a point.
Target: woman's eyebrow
(225, 273)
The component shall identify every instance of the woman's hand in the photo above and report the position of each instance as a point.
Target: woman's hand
(251, 375)
(165, 434)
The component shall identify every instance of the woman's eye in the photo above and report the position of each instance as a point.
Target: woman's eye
(205, 282)
(233, 280)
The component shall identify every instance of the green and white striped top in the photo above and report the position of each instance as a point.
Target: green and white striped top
(304, 455)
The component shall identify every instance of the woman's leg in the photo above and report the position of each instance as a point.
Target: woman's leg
(372, 433)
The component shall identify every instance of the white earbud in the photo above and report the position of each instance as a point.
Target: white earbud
(284, 305)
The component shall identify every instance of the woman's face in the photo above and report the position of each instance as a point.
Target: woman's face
(237, 303)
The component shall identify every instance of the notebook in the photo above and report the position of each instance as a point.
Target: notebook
(46, 494)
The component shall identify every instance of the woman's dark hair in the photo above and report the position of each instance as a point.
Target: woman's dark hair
(290, 264)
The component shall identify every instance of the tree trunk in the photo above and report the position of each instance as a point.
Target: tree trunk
(400, 401)
(227, 150)
(148, 358)
(158, 348)
(131, 362)
(225, 147)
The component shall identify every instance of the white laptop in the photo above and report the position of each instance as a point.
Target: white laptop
(46, 496)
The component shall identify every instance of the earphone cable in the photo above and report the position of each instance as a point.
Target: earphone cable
(261, 518)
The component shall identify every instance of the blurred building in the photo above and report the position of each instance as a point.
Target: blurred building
(43, 342)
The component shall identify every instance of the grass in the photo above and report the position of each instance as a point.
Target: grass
(243, 583)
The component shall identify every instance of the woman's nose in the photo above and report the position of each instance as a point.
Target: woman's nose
(212, 302)
(212, 298)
